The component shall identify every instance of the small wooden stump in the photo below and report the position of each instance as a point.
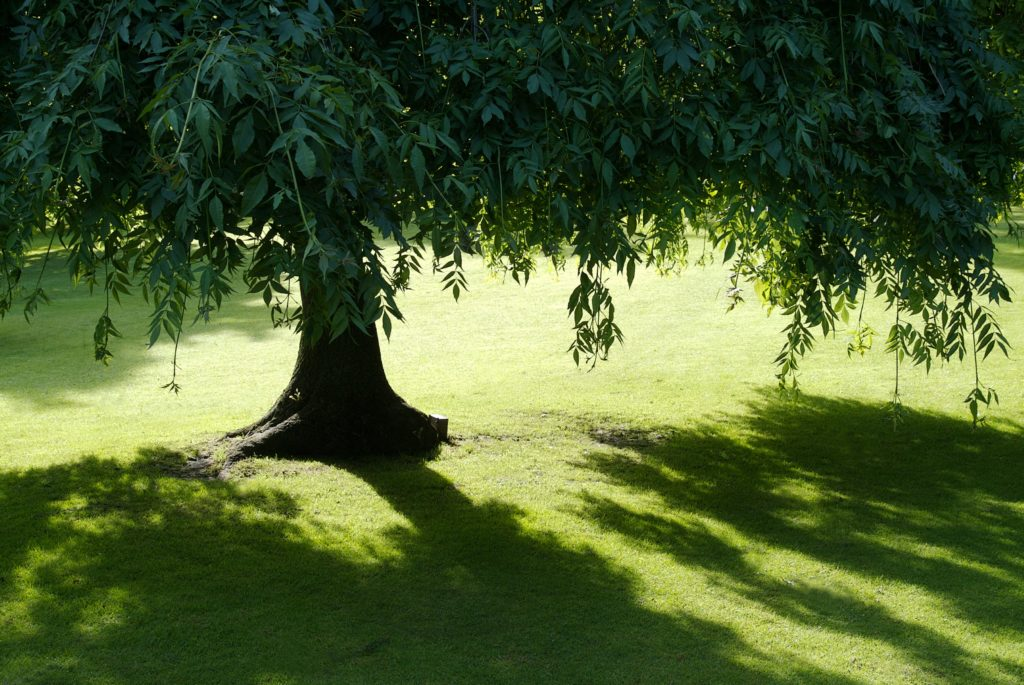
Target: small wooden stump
(440, 424)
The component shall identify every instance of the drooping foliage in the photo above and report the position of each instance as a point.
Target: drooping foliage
(829, 149)
(1002, 21)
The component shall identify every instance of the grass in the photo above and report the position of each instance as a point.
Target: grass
(663, 518)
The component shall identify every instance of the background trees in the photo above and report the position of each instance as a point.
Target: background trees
(170, 144)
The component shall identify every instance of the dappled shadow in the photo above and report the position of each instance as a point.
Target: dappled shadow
(209, 581)
(125, 572)
(936, 506)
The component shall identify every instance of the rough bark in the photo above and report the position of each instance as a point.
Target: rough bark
(337, 405)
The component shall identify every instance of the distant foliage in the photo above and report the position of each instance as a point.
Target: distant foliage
(828, 149)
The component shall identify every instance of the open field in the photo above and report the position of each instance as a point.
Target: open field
(662, 518)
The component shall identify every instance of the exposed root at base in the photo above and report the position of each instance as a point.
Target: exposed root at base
(399, 429)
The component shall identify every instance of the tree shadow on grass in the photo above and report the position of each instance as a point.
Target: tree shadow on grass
(934, 508)
(120, 573)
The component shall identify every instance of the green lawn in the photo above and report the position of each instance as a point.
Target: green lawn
(663, 518)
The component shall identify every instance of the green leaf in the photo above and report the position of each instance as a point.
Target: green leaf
(305, 159)
(216, 208)
(203, 124)
(230, 79)
(606, 173)
(705, 141)
(243, 135)
(419, 165)
(491, 111)
(357, 161)
(628, 148)
(107, 125)
(730, 250)
(254, 192)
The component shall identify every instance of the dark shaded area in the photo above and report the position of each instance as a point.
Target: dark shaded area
(223, 585)
(950, 494)
(222, 581)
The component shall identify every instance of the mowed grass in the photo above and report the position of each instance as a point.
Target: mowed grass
(663, 518)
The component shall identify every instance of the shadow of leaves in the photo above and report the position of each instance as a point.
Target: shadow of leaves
(936, 509)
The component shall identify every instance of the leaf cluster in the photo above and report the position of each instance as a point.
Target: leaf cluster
(826, 149)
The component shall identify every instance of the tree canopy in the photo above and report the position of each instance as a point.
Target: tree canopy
(827, 149)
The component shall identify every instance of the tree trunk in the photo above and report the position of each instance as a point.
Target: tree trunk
(338, 404)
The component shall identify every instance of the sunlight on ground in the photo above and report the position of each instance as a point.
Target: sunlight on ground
(663, 518)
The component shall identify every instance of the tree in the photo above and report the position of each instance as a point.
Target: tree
(1002, 20)
(170, 144)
